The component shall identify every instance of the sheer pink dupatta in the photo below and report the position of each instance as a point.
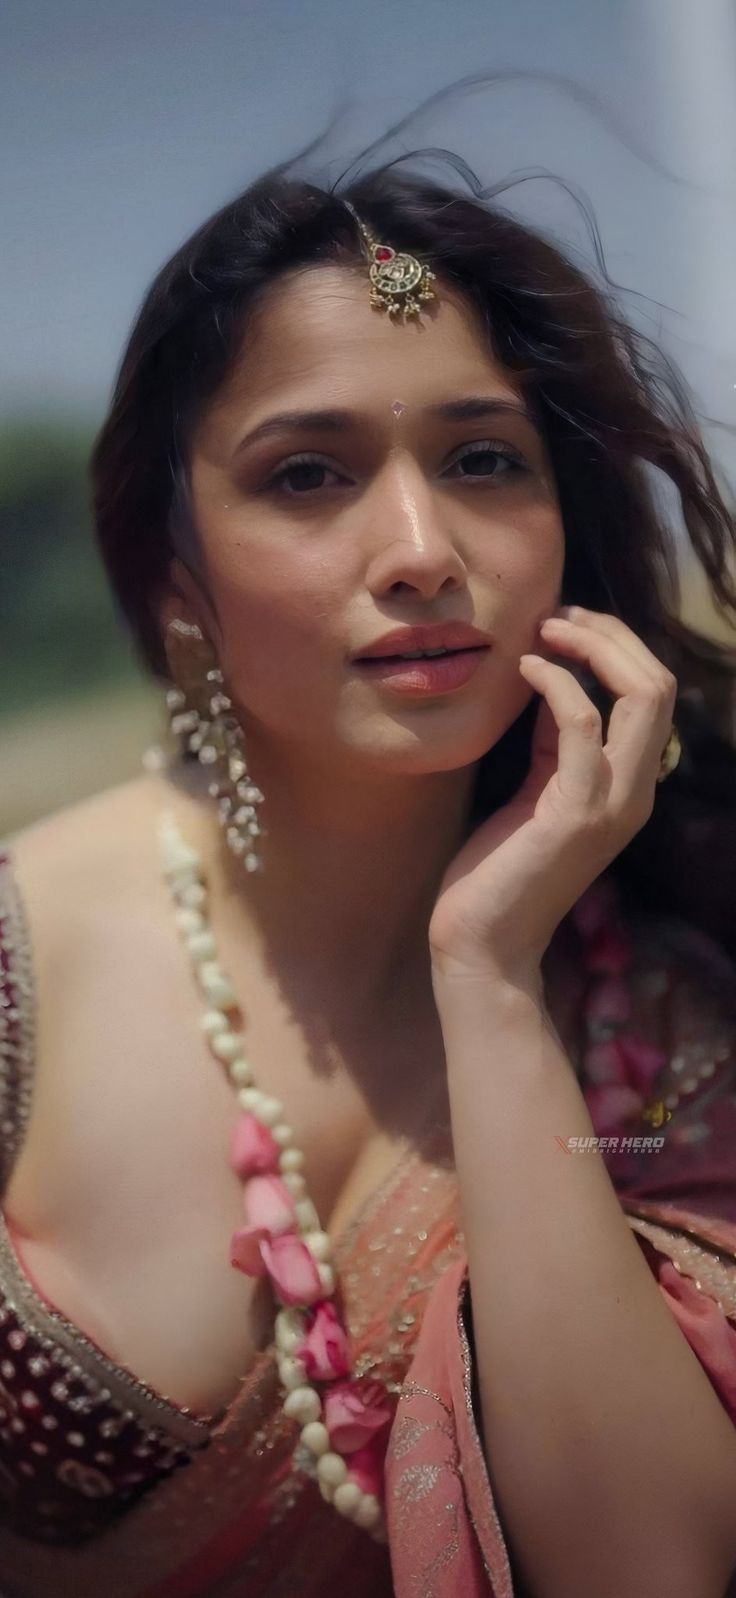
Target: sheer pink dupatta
(445, 1534)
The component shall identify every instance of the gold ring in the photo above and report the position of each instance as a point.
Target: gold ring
(670, 754)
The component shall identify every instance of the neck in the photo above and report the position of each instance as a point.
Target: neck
(352, 868)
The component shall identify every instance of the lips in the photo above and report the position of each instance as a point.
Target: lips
(451, 636)
(412, 659)
(425, 677)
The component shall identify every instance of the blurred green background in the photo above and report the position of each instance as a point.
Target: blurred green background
(76, 712)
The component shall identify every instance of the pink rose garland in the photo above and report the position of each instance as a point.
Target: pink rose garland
(324, 1351)
(270, 1244)
(282, 1238)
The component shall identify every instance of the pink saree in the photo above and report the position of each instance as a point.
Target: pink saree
(240, 1519)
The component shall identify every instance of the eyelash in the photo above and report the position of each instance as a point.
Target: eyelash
(487, 447)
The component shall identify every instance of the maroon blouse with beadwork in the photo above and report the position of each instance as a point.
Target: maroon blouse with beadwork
(73, 1452)
(82, 1440)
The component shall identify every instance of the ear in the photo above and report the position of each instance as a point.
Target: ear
(183, 598)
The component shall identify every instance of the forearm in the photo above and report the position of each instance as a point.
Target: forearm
(607, 1448)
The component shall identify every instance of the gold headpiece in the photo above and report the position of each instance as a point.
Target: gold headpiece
(394, 275)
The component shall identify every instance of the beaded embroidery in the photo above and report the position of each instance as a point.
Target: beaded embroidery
(17, 1020)
(71, 1381)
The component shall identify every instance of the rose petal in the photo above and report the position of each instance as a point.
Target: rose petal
(367, 1464)
(324, 1351)
(245, 1250)
(269, 1203)
(293, 1269)
(354, 1412)
(253, 1148)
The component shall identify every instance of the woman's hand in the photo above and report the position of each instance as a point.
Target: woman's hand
(521, 871)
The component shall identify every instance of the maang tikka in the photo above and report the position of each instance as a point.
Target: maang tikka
(202, 719)
(394, 275)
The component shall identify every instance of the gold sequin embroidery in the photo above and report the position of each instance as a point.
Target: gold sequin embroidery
(712, 1271)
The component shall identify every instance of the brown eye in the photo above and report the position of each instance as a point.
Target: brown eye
(303, 467)
(490, 454)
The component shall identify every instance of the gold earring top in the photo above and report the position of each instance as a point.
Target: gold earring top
(399, 282)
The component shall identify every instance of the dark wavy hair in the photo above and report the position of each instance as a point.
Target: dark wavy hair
(610, 405)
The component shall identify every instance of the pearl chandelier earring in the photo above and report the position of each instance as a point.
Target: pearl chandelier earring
(202, 720)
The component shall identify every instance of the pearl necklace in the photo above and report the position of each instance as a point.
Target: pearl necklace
(344, 1424)
(348, 1421)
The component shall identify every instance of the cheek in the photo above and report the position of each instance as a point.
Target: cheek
(275, 612)
(525, 573)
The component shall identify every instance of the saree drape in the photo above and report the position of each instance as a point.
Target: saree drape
(240, 1519)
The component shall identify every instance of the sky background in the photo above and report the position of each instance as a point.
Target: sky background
(124, 127)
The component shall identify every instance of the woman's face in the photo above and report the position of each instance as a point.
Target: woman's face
(402, 517)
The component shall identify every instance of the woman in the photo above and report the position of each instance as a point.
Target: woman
(438, 926)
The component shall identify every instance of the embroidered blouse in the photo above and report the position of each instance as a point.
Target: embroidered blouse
(103, 1479)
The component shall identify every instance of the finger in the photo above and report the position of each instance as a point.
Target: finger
(638, 729)
(641, 716)
(613, 627)
(600, 646)
(569, 719)
(616, 666)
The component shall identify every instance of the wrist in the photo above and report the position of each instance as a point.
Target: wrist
(455, 977)
(478, 1002)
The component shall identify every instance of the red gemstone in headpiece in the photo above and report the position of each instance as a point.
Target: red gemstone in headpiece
(384, 253)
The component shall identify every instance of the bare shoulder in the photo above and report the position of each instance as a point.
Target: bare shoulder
(90, 884)
(99, 932)
(90, 881)
(115, 1012)
(89, 852)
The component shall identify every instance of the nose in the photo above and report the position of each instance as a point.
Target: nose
(412, 545)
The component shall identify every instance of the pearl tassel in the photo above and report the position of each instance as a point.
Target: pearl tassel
(302, 1402)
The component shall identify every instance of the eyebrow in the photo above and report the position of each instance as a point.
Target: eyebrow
(474, 407)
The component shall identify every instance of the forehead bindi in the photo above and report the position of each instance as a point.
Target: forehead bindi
(321, 332)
